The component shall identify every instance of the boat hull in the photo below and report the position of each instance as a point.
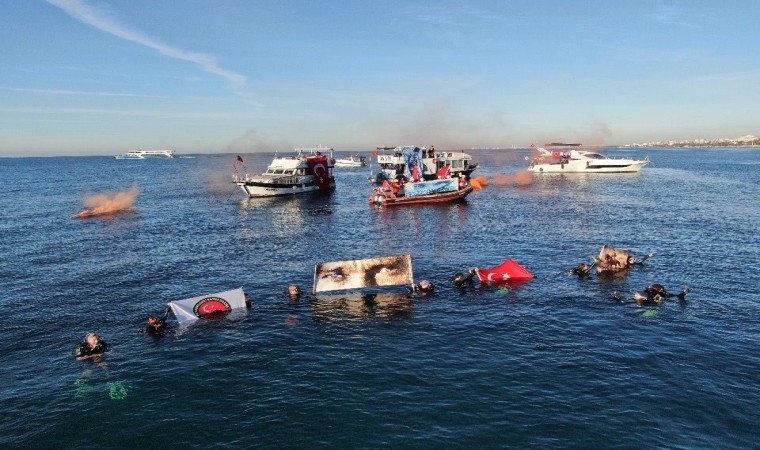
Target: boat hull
(261, 189)
(445, 197)
(570, 167)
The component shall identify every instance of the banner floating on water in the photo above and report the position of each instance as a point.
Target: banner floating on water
(363, 273)
(210, 306)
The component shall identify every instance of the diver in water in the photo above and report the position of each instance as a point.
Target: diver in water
(424, 287)
(654, 294)
(294, 292)
(91, 346)
(631, 261)
(461, 279)
(583, 270)
(157, 326)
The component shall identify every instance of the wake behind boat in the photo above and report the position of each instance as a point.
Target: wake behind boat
(142, 154)
(310, 170)
(564, 158)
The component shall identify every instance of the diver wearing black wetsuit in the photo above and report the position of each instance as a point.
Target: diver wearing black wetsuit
(157, 326)
(91, 345)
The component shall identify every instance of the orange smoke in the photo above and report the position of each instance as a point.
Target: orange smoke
(521, 178)
(479, 182)
(102, 204)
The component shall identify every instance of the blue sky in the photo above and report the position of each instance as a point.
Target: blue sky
(103, 76)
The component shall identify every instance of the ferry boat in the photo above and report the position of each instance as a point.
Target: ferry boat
(142, 154)
(396, 163)
(565, 158)
(309, 170)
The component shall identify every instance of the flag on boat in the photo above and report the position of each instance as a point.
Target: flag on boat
(509, 270)
(208, 306)
(362, 273)
(240, 158)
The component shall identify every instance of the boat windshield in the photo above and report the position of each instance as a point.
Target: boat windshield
(594, 156)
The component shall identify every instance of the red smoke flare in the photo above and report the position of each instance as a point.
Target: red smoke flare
(104, 204)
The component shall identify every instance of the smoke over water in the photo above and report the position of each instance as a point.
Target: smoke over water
(518, 179)
(104, 204)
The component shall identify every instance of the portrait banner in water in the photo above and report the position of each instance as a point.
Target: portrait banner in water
(363, 273)
(210, 306)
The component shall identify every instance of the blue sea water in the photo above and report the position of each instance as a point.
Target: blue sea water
(553, 363)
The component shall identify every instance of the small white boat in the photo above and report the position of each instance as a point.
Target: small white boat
(142, 154)
(564, 158)
(309, 170)
(129, 155)
(351, 161)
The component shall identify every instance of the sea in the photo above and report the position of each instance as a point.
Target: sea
(556, 362)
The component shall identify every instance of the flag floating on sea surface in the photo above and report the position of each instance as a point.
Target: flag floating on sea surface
(208, 306)
(362, 273)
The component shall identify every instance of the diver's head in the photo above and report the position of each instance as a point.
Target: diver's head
(92, 339)
(294, 290)
(426, 286)
(459, 279)
(154, 321)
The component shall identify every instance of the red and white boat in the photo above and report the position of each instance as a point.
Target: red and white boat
(419, 193)
(310, 170)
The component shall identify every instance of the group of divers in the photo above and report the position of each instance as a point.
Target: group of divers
(93, 346)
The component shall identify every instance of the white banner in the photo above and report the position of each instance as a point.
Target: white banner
(207, 306)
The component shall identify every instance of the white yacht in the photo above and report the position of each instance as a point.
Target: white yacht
(308, 171)
(565, 158)
(351, 161)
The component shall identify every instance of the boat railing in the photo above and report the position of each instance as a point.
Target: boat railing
(289, 179)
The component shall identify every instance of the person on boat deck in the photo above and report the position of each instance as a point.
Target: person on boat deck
(415, 173)
(91, 346)
(444, 171)
(431, 152)
(156, 326)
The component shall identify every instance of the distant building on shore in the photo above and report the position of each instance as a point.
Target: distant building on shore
(746, 140)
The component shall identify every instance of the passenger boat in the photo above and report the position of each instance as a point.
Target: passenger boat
(142, 154)
(351, 161)
(419, 193)
(396, 163)
(310, 170)
(565, 158)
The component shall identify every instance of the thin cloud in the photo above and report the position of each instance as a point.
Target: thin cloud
(78, 93)
(103, 19)
(670, 15)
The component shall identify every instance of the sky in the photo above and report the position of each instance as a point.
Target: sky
(99, 77)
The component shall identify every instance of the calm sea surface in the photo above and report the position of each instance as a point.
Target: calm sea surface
(554, 363)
